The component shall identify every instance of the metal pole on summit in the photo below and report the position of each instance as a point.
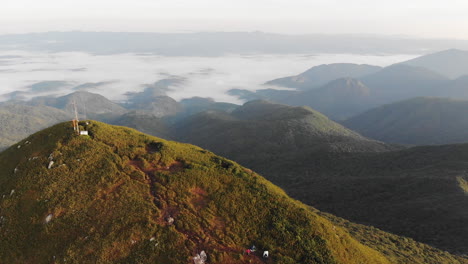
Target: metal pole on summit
(75, 121)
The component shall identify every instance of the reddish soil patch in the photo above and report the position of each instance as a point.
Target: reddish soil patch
(59, 211)
(199, 199)
(174, 167)
(114, 187)
(116, 251)
(139, 165)
(36, 154)
(218, 224)
(199, 202)
(111, 189)
(198, 191)
(28, 200)
(256, 258)
(135, 163)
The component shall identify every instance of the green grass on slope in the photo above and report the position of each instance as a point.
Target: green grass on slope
(108, 196)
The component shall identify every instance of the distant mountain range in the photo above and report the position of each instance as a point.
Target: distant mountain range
(220, 43)
(449, 64)
(352, 89)
(118, 195)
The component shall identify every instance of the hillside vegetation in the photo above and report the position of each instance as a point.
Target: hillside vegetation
(417, 192)
(109, 198)
(261, 133)
(402, 250)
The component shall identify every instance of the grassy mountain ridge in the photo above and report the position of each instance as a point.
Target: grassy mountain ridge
(274, 132)
(107, 197)
(418, 192)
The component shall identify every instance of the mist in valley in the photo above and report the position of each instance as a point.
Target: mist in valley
(26, 74)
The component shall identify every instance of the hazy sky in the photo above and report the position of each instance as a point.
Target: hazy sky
(421, 18)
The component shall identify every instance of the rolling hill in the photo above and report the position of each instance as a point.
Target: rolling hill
(119, 196)
(322, 74)
(260, 132)
(88, 104)
(150, 111)
(420, 192)
(338, 99)
(418, 121)
(452, 63)
(399, 82)
(18, 121)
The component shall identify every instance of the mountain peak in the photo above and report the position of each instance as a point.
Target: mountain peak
(87, 103)
(121, 196)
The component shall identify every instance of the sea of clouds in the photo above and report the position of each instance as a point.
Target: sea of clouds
(115, 75)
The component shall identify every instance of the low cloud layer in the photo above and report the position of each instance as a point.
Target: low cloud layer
(115, 75)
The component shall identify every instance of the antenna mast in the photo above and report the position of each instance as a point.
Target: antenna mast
(75, 121)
